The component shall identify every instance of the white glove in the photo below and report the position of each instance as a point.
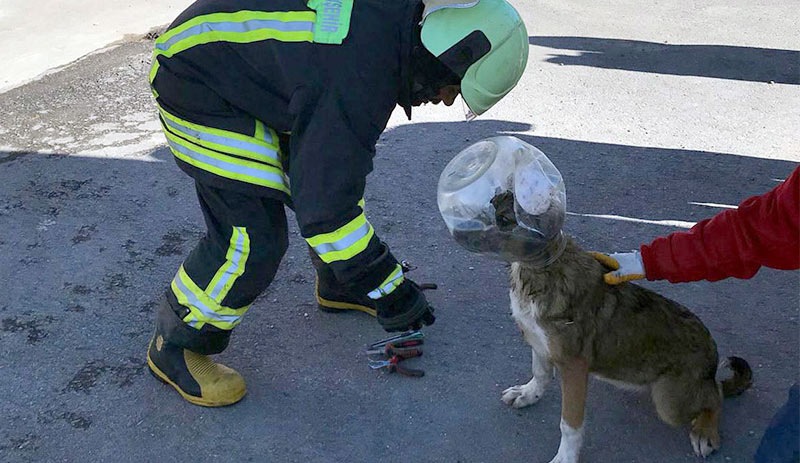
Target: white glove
(627, 266)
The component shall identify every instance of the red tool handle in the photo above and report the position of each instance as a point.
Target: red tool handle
(395, 366)
(406, 353)
(407, 371)
(412, 343)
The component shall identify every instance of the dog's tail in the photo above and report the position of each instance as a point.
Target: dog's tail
(742, 377)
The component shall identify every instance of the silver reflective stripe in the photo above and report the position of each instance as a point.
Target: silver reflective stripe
(244, 26)
(234, 268)
(394, 280)
(207, 312)
(345, 242)
(268, 134)
(225, 141)
(227, 166)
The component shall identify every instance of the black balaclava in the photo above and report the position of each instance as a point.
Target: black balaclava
(428, 74)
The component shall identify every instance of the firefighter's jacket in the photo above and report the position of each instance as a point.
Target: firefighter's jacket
(287, 99)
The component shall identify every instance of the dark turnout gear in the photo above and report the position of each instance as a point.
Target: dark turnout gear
(231, 265)
(175, 357)
(405, 309)
(252, 102)
(332, 296)
(279, 103)
(276, 103)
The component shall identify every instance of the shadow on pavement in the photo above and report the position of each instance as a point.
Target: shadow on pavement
(702, 60)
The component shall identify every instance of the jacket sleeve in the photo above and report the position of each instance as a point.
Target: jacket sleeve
(339, 111)
(763, 231)
(331, 149)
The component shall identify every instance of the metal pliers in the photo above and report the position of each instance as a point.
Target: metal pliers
(395, 356)
(394, 350)
(398, 339)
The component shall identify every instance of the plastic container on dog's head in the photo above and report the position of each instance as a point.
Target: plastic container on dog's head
(503, 198)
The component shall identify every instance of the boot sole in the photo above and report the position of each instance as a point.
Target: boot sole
(326, 305)
(158, 374)
(329, 306)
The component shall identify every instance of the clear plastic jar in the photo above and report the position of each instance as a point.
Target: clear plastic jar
(503, 198)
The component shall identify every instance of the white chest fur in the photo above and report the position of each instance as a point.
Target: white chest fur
(526, 314)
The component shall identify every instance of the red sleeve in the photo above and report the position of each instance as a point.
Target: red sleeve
(764, 230)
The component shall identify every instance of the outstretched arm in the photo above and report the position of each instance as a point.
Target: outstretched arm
(763, 231)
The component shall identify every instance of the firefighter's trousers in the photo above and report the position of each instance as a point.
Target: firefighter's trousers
(228, 269)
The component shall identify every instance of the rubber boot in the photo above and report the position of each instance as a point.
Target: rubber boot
(331, 297)
(196, 377)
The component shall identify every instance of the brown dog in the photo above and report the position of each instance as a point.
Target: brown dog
(625, 334)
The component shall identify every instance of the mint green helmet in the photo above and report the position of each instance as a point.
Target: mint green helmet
(484, 42)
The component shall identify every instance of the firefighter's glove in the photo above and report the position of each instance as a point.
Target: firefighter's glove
(626, 266)
(405, 308)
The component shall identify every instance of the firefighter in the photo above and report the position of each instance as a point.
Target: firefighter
(281, 103)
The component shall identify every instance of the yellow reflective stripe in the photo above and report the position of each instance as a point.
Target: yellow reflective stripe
(234, 266)
(343, 243)
(224, 140)
(260, 131)
(339, 233)
(269, 136)
(212, 28)
(239, 27)
(154, 70)
(389, 284)
(349, 252)
(203, 309)
(227, 166)
(238, 16)
(262, 138)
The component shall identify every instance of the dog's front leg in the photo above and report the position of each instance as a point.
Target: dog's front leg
(574, 380)
(530, 393)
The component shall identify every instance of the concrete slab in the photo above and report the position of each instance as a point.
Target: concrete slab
(45, 35)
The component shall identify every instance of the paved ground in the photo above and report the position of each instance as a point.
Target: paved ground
(57, 34)
(653, 115)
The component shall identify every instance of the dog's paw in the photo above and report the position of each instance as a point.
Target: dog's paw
(569, 448)
(703, 446)
(704, 434)
(522, 396)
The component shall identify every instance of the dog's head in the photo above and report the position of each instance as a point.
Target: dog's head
(509, 240)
